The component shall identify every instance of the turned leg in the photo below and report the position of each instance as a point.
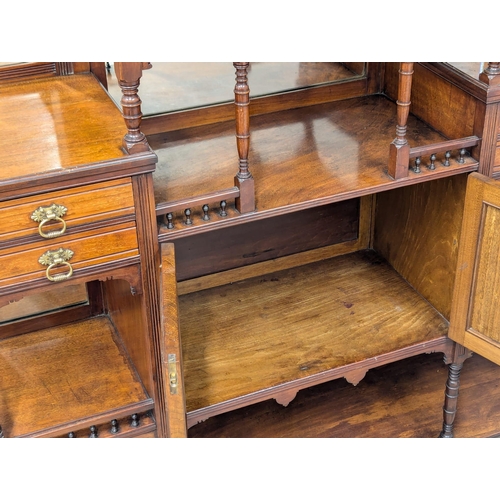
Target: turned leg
(460, 354)
(450, 399)
(1, 432)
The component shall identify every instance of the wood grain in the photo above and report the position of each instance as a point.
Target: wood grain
(256, 334)
(102, 201)
(400, 400)
(63, 374)
(474, 319)
(171, 344)
(298, 158)
(91, 248)
(417, 229)
(66, 112)
(266, 239)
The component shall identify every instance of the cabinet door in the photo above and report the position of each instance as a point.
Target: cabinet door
(475, 314)
(171, 346)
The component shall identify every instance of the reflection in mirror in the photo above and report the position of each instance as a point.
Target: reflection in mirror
(43, 303)
(473, 69)
(169, 87)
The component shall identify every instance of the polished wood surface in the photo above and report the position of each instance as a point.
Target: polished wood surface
(417, 229)
(91, 248)
(400, 400)
(75, 121)
(266, 239)
(298, 158)
(88, 370)
(85, 205)
(474, 319)
(171, 346)
(64, 374)
(360, 307)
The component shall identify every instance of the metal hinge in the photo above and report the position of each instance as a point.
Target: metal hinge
(172, 373)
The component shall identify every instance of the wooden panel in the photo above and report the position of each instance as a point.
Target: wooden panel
(294, 324)
(84, 205)
(497, 157)
(267, 239)
(289, 261)
(445, 107)
(417, 230)
(475, 321)
(171, 346)
(63, 374)
(484, 310)
(90, 248)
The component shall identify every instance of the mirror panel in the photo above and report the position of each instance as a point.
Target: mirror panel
(472, 69)
(169, 87)
(37, 304)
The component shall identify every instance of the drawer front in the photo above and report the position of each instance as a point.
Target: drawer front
(81, 205)
(87, 249)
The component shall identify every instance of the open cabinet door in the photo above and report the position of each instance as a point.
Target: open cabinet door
(475, 314)
(171, 346)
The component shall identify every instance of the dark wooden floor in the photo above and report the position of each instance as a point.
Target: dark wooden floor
(403, 399)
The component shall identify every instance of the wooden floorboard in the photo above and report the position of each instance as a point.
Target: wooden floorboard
(403, 399)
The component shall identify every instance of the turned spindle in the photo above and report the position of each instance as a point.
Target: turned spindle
(188, 221)
(114, 426)
(134, 420)
(129, 76)
(447, 157)
(399, 151)
(222, 211)
(170, 220)
(243, 179)
(416, 168)
(432, 166)
(205, 215)
(462, 153)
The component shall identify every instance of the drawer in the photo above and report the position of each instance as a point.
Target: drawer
(81, 205)
(87, 249)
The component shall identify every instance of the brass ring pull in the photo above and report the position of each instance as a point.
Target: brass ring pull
(59, 277)
(57, 258)
(51, 213)
(53, 233)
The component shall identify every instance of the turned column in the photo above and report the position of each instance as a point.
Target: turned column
(460, 354)
(129, 76)
(399, 152)
(243, 179)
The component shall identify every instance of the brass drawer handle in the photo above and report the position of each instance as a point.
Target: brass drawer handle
(47, 214)
(57, 259)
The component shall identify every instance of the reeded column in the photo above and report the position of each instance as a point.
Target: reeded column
(243, 179)
(399, 152)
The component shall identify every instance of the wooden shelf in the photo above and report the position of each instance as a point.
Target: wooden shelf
(270, 336)
(299, 159)
(65, 376)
